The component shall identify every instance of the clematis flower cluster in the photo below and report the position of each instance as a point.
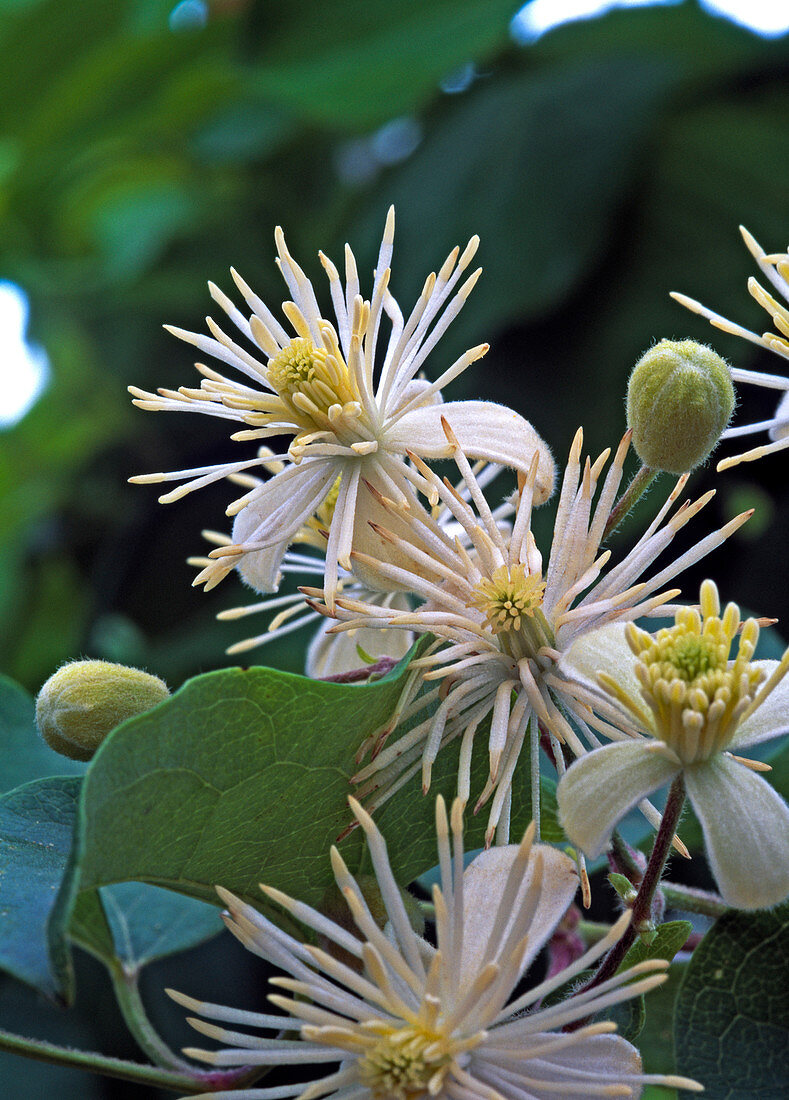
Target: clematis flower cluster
(525, 654)
(405, 1018)
(352, 415)
(508, 620)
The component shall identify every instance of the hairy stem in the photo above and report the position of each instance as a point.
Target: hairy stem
(691, 900)
(636, 489)
(127, 994)
(642, 906)
(195, 1081)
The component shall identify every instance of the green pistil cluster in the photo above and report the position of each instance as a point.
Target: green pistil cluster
(511, 602)
(691, 657)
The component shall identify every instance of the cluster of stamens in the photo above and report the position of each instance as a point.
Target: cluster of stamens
(309, 374)
(508, 597)
(406, 1063)
(697, 696)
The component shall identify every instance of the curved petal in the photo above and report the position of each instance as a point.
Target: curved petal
(771, 718)
(418, 386)
(596, 1059)
(277, 511)
(599, 789)
(370, 514)
(602, 650)
(333, 654)
(483, 429)
(484, 883)
(746, 832)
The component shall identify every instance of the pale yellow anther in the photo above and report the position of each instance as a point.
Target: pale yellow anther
(696, 694)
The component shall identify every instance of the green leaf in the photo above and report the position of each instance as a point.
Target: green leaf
(515, 134)
(631, 1016)
(669, 939)
(26, 756)
(373, 63)
(36, 826)
(138, 924)
(243, 777)
(733, 1003)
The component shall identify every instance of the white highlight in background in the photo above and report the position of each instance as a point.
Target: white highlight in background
(769, 18)
(24, 370)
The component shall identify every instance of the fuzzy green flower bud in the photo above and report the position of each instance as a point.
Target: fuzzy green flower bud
(679, 400)
(81, 702)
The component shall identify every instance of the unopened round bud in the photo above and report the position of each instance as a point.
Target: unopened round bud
(679, 400)
(81, 702)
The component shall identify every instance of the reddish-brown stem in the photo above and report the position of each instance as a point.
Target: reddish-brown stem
(642, 906)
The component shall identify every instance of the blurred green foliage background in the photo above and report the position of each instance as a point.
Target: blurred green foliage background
(143, 153)
(144, 148)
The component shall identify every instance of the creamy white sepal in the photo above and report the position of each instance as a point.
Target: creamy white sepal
(746, 832)
(770, 719)
(484, 884)
(279, 509)
(602, 650)
(483, 429)
(593, 1060)
(599, 789)
(333, 654)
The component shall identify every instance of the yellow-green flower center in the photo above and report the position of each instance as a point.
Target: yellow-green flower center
(696, 695)
(508, 597)
(692, 658)
(406, 1063)
(311, 380)
(511, 603)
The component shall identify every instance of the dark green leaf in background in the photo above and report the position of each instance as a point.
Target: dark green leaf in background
(25, 754)
(368, 63)
(731, 1028)
(137, 924)
(36, 826)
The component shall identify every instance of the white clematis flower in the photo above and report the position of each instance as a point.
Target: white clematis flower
(410, 1021)
(328, 655)
(353, 409)
(691, 709)
(776, 269)
(507, 621)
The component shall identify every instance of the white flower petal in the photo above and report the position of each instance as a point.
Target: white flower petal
(603, 650)
(483, 429)
(278, 510)
(333, 654)
(592, 1059)
(484, 881)
(599, 789)
(746, 832)
(416, 387)
(771, 718)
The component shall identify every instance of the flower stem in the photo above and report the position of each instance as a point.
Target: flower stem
(636, 489)
(194, 1082)
(691, 900)
(127, 994)
(642, 906)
